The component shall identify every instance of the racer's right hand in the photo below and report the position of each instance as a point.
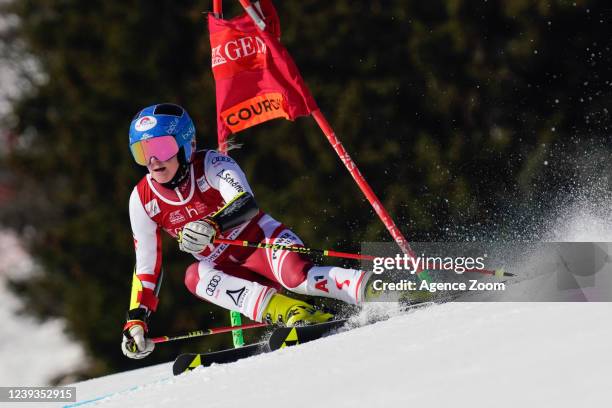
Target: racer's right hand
(135, 344)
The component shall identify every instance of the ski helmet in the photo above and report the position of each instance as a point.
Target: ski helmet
(162, 130)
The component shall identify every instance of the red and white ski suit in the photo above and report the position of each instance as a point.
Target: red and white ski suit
(236, 278)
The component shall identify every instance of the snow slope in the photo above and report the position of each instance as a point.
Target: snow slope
(456, 354)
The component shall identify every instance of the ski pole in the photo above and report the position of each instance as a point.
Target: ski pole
(337, 254)
(207, 332)
(300, 250)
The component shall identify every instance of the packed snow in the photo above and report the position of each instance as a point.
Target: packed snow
(455, 354)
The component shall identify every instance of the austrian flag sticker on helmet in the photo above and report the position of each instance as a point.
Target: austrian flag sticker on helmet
(145, 123)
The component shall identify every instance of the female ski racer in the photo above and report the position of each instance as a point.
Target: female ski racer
(197, 196)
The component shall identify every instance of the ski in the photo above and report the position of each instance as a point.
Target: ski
(291, 336)
(281, 337)
(189, 361)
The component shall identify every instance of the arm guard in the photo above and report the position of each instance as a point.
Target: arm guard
(142, 297)
(239, 210)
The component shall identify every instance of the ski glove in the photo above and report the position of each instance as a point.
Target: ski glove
(197, 235)
(134, 344)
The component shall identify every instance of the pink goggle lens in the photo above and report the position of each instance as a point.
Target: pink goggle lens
(162, 148)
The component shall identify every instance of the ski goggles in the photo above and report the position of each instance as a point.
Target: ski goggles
(161, 147)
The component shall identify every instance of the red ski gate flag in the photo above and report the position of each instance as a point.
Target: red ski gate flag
(256, 78)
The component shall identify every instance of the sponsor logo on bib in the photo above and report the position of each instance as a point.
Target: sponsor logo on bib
(202, 184)
(152, 208)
